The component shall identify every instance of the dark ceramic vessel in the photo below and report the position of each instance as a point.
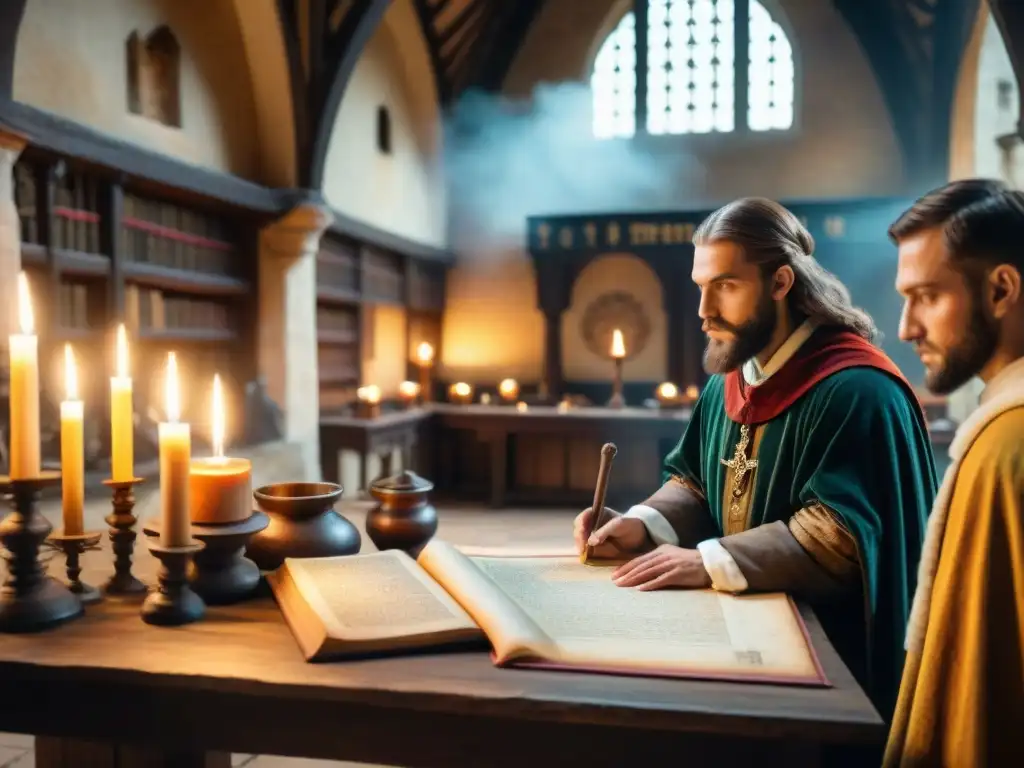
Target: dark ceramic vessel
(404, 518)
(303, 523)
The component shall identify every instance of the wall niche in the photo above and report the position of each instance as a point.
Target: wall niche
(154, 76)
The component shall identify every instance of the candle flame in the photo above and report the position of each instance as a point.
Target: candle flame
(508, 388)
(122, 352)
(25, 317)
(70, 374)
(425, 352)
(172, 396)
(668, 390)
(218, 418)
(692, 392)
(618, 345)
(408, 389)
(462, 389)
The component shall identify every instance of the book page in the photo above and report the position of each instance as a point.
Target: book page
(375, 596)
(594, 623)
(509, 629)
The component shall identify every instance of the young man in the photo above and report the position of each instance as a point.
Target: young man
(806, 466)
(961, 267)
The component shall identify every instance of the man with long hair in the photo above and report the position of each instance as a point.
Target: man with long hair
(806, 466)
(961, 272)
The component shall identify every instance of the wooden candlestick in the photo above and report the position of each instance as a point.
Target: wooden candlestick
(74, 545)
(173, 602)
(122, 538)
(30, 600)
(608, 451)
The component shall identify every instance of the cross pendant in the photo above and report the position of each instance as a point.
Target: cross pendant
(739, 463)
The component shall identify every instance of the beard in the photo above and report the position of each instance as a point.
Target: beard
(748, 339)
(966, 358)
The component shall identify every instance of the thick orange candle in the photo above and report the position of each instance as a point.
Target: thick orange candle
(175, 457)
(72, 449)
(122, 446)
(24, 396)
(220, 487)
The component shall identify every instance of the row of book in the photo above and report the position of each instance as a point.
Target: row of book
(170, 236)
(333, 319)
(151, 309)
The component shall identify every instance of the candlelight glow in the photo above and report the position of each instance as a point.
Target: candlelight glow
(692, 392)
(424, 353)
(172, 396)
(522, 407)
(668, 391)
(122, 352)
(618, 345)
(408, 389)
(462, 389)
(25, 317)
(217, 418)
(369, 394)
(70, 374)
(508, 388)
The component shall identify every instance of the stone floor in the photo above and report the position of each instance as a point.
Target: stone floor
(521, 528)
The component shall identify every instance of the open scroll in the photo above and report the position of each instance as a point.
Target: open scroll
(545, 611)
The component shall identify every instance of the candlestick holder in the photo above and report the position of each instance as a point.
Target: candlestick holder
(30, 600)
(74, 545)
(220, 572)
(173, 602)
(617, 400)
(122, 538)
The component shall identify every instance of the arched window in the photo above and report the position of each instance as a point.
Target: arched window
(692, 77)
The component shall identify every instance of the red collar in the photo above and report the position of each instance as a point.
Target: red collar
(827, 351)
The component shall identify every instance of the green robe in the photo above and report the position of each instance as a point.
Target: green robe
(856, 443)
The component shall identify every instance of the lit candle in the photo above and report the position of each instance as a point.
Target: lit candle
(692, 393)
(369, 400)
(122, 430)
(508, 389)
(618, 345)
(72, 449)
(425, 358)
(408, 391)
(667, 393)
(175, 457)
(220, 488)
(461, 392)
(24, 395)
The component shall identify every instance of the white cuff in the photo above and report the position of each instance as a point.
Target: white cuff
(725, 574)
(658, 528)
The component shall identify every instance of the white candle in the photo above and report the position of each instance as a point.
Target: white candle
(24, 396)
(175, 457)
(72, 449)
(122, 446)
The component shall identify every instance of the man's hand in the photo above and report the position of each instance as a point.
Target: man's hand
(665, 566)
(619, 535)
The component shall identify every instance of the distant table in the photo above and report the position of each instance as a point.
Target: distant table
(495, 425)
(382, 435)
(108, 690)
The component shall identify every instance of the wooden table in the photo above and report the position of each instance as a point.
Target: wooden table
(108, 684)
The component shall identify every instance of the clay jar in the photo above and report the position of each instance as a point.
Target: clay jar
(303, 523)
(404, 518)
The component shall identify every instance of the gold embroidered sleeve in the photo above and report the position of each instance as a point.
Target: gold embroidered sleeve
(813, 555)
(827, 540)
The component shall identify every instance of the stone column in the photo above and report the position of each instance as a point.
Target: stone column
(10, 242)
(287, 342)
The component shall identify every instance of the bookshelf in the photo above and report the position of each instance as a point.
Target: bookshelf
(354, 274)
(99, 251)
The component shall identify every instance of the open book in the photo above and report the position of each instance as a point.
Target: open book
(543, 611)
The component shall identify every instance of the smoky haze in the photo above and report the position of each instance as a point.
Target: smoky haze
(506, 160)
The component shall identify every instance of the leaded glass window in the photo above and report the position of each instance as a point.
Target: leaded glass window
(614, 82)
(690, 71)
(769, 74)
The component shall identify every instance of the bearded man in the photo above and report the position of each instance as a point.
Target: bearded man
(806, 466)
(961, 272)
